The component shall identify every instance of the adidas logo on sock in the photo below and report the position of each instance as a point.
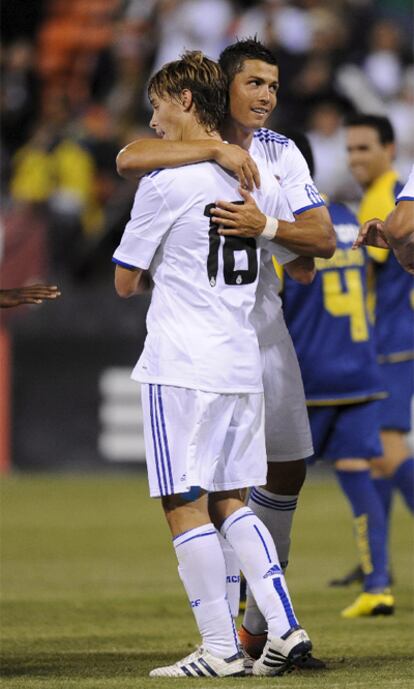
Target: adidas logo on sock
(273, 571)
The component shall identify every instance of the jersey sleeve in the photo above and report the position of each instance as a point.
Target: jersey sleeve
(297, 182)
(407, 192)
(150, 220)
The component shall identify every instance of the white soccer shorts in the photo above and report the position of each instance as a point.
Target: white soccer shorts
(195, 438)
(287, 430)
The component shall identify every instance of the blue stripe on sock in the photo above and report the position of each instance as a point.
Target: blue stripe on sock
(200, 535)
(273, 498)
(157, 428)
(257, 495)
(285, 602)
(154, 441)
(281, 507)
(235, 635)
(164, 433)
(263, 541)
(246, 514)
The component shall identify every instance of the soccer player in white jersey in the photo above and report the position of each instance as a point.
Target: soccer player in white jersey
(254, 78)
(201, 379)
(396, 232)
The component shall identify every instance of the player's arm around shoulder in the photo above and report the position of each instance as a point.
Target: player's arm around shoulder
(145, 155)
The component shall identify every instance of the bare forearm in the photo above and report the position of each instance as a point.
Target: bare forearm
(144, 155)
(129, 283)
(307, 236)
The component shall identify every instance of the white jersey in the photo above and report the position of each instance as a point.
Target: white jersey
(407, 192)
(199, 330)
(287, 164)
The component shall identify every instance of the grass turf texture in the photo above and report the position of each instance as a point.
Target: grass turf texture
(91, 597)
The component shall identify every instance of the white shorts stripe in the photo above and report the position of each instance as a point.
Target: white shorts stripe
(166, 451)
(196, 438)
(154, 440)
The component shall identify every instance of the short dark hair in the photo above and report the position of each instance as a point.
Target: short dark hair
(303, 144)
(381, 124)
(234, 56)
(200, 75)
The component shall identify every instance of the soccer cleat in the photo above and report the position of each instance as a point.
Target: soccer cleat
(201, 663)
(370, 604)
(280, 654)
(355, 576)
(309, 662)
(253, 644)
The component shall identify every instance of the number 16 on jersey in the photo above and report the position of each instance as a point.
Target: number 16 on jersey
(232, 276)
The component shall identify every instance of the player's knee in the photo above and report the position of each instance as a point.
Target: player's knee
(286, 478)
(351, 464)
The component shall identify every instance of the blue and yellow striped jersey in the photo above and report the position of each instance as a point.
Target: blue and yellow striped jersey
(329, 324)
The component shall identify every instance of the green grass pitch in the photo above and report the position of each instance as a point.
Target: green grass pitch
(91, 597)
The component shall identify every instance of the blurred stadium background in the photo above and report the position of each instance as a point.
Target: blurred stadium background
(89, 584)
(73, 92)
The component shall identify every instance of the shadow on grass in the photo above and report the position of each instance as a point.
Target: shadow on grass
(89, 665)
(82, 664)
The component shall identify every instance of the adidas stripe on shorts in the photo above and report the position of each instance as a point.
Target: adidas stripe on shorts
(196, 438)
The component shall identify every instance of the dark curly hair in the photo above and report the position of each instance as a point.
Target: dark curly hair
(234, 56)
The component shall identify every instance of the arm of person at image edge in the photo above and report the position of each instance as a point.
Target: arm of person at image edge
(142, 235)
(311, 233)
(396, 232)
(31, 294)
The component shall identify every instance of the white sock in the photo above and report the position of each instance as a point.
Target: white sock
(202, 570)
(257, 555)
(232, 575)
(276, 512)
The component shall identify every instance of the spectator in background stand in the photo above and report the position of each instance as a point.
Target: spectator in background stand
(327, 136)
(19, 94)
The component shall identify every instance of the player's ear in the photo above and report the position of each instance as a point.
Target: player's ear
(186, 99)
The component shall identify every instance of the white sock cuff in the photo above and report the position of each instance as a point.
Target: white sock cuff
(282, 503)
(191, 534)
(241, 513)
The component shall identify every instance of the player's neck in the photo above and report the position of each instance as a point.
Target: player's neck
(235, 133)
(195, 131)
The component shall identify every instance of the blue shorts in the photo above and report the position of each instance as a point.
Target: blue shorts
(346, 431)
(395, 410)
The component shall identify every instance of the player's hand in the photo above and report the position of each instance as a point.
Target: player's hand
(244, 220)
(32, 294)
(240, 163)
(371, 234)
